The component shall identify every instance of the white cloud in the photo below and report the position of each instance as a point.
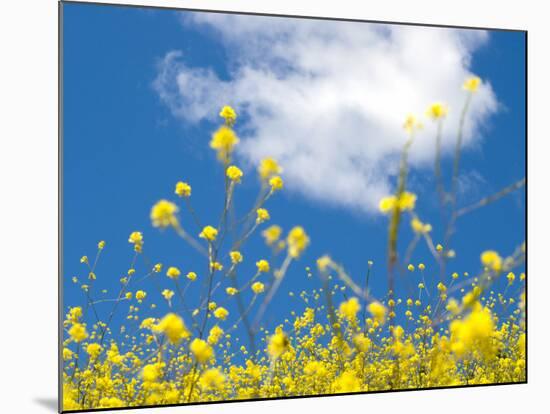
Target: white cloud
(328, 99)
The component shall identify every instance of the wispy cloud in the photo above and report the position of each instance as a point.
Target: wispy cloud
(328, 99)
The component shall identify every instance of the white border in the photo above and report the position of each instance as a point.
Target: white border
(28, 219)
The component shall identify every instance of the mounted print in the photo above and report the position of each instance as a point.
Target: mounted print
(258, 207)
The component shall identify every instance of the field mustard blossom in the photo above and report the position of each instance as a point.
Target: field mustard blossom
(278, 344)
(212, 379)
(209, 233)
(173, 327)
(140, 295)
(437, 110)
(258, 287)
(136, 238)
(263, 266)
(268, 168)
(272, 234)
(168, 294)
(221, 313)
(228, 114)
(350, 308)
(191, 276)
(471, 84)
(231, 291)
(234, 174)
(297, 241)
(378, 312)
(419, 227)
(163, 214)
(93, 350)
(276, 183)
(173, 272)
(236, 257)
(183, 189)
(201, 350)
(78, 332)
(223, 141)
(492, 260)
(262, 215)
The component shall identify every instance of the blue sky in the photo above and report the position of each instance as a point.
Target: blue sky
(124, 149)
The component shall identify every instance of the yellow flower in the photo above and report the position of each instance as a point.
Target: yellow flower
(140, 295)
(67, 354)
(191, 276)
(492, 260)
(236, 257)
(439, 247)
(157, 268)
(216, 266)
(173, 327)
(74, 314)
(278, 343)
(511, 277)
(268, 168)
(228, 114)
(101, 245)
(407, 201)
(168, 294)
(201, 350)
(324, 262)
(411, 124)
(297, 240)
(263, 215)
(437, 110)
(215, 335)
(84, 259)
(223, 141)
(209, 233)
(78, 332)
(410, 267)
(173, 272)
(234, 174)
(276, 183)
(272, 234)
(422, 266)
(419, 227)
(257, 287)
(471, 84)
(362, 342)
(231, 291)
(136, 238)
(183, 189)
(212, 379)
(387, 204)
(221, 313)
(347, 382)
(151, 372)
(163, 214)
(378, 312)
(473, 333)
(263, 266)
(350, 308)
(93, 350)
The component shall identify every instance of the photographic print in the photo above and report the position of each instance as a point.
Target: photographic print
(257, 207)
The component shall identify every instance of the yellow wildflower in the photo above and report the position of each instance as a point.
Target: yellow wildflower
(297, 240)
(183, 189)
(263, 215)
(257, 287)
(201, 350)
(234, 174)
(263, 266)
(209, 233)
(173, 272)
(268, 168)
(163, 214)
